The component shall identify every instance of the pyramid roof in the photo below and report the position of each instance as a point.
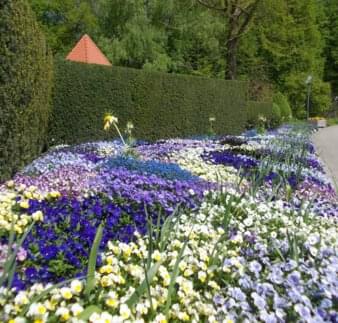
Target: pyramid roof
(86, 51)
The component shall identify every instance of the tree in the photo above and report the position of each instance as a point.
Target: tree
(274, 42)
(330, 32)
(65, 21)
(129, 36)
(285, 46)
(237, 16)
(194, 37)
(296, 89)
(172, 36)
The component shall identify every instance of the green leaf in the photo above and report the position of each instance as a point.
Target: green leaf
(92, 260)
(11, 275)
(8, 267)
(143, 286)
(173, 277)
(88, 311)
(167, 228)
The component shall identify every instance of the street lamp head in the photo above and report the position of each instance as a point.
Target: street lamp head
(308, 80)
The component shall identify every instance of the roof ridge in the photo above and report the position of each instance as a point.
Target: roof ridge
(86, 51)
(85, 39)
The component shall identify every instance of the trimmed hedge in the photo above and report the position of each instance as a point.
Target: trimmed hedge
(25, 85)
(160, 105)
(255, 109)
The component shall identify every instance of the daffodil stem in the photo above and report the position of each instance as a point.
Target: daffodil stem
(118, 131)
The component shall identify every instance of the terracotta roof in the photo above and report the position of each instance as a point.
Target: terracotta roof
(86, 51)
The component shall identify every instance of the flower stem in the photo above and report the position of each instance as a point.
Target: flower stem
(118, 131)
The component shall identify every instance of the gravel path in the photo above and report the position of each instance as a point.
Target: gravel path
(326, 142)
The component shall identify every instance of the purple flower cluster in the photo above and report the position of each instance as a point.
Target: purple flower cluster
(150, 189)
(56, 160)
(228, 158)
(68, 180)
(58, 247)
(280, 291)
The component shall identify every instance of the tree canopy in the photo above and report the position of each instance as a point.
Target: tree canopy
(279, 42)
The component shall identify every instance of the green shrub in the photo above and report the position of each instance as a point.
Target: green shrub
(257, 109)
(159, 105)
(276, 117)
(284, 106)
(332, 121)
(25, 75)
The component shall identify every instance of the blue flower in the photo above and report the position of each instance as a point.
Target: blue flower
(303, 312)
(259, 301)
(31, 273)
(255, 267)
(48, 252)
(276, 276)
(237, 294)
(293, 279)
(165, 170)
(228, 158)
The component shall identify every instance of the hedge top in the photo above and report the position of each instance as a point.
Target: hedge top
(160, 105)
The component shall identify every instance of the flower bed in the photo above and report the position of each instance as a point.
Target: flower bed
(236, 229)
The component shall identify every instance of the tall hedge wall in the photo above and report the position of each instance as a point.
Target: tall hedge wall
(25, 75)
(160, 105)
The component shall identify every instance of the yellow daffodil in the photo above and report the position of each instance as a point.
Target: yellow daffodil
(108, 121)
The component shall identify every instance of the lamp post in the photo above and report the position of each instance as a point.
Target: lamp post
(308, 82)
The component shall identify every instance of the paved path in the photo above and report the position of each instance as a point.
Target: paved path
(326, 142)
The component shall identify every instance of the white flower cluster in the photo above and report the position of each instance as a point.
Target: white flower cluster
(190, 159)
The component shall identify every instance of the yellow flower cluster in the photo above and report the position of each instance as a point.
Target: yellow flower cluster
(9, 206)
(14, 202)
(122, 273)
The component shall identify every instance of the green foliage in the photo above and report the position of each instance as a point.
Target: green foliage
(159, 105)
(257, 110)
(15, 243)
(330, 32)
(284, 106)
(320, 99)
(172, 36)
(90, 282)
(276, 116)
(286, 40)
(65, 21)
(285, 46)
(332, 121)
(25, 75)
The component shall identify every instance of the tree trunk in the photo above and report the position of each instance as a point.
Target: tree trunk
(231, 57)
